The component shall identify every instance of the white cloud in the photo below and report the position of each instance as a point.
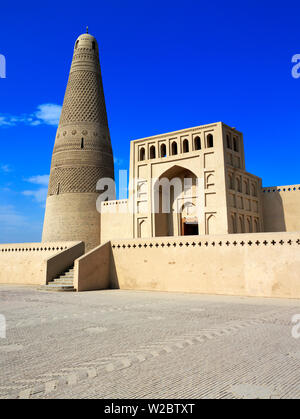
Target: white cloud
(5, 168)
(4, 121)
(39, 195)
(39, 180)
(47, 114)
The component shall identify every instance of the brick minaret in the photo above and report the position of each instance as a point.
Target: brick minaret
(82, 152)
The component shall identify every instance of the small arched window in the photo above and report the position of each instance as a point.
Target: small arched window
(152, 152)
(142, 154)
(93, 45)
(197, 142)
(231, 185)
(238, 184)
(58, 189)
(253, 190)
(233, 223)
(249, 227)
(82, 143)
(163, 150)
(242, 227)
(174, 148)
(246, 187)
(76, 45)
(210, 141)
(185, 146)
(235, 144)
(228, 140)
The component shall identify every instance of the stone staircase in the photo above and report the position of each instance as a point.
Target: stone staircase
(64, 282)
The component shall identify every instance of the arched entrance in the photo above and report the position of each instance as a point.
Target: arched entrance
(175, 203)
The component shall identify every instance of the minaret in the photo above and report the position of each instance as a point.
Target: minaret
(82, 152)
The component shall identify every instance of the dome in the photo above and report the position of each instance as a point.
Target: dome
(86, 40)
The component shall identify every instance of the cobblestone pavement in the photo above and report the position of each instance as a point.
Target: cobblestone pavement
(126, 344)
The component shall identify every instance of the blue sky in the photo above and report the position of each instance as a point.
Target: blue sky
(166, 65)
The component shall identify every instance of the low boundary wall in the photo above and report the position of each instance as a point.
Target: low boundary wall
(257, 264)
(26, 263)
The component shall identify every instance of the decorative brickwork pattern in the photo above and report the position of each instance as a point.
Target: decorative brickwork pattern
(84, 99)
(76, 179)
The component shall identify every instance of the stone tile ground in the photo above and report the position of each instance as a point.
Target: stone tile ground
(125, 344)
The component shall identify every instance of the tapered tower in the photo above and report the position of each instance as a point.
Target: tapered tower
(82, 152)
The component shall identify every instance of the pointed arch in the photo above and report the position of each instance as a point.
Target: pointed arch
(210, 141)
(163, 150)
(185, 146)
(174, 148)
(197, 143)
(142, 154)
(152, 152)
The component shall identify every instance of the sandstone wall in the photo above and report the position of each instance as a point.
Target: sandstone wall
(116, 220)
(24, 263)
(260, 264)
(281, 208)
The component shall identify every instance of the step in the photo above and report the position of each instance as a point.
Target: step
(65, 276)
(57, 288)
(67, 280)
(63, 279)
(61, 283)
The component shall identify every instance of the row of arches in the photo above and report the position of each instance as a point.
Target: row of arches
(174, 148)
(233, 143)
(239, 224)
(235, 183)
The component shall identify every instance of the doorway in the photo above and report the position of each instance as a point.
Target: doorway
(189, 228)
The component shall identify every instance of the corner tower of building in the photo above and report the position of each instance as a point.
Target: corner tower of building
(82, 152)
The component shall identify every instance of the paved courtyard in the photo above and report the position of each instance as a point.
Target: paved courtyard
(125, 344)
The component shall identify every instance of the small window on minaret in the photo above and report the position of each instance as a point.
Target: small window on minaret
(57, 190)
(82, 143)
(76, 45)
(93, 45)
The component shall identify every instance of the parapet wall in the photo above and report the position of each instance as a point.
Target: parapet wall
(24, 263)
(281, 208)
(258, 264)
